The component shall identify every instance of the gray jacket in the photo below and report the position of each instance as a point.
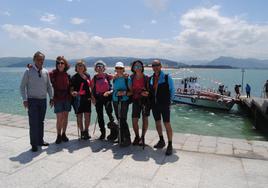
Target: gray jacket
(36, 85)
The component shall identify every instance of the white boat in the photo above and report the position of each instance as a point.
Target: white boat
(190, 92)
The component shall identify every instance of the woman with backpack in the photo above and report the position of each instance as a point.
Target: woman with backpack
(121, 93)
(102, 97)
(80, 90)
(141, 102)
(60, 80)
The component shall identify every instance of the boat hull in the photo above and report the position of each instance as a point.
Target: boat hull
(203, 102)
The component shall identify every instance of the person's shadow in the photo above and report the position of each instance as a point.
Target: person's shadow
(136, 152)
(26, 156)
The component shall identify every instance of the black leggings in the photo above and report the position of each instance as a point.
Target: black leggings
(123, 120)
(105, 102)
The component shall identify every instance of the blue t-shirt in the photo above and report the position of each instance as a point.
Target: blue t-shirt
(119, 84)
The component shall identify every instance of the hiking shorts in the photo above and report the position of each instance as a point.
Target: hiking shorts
(138, 108)
(62, 106)
(84, 107)
(161, 110)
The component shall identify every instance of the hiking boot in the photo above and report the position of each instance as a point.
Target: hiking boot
(126, 143)
(142, 142)
(34, 149)
(102, 136)
(160, 144)
(86, 135)
(113, 135)
(64, 138)
(59, 139)
(169, 150)
(81, 135)
(136, 141)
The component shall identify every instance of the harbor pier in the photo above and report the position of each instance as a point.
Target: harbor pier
(257, 109)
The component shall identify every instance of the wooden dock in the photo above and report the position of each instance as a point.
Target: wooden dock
(257, 109)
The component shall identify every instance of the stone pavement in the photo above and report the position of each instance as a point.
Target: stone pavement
(198, 161)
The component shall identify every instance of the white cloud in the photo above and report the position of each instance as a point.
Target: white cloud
(157, 5)
(72, 1)
(80, 44)
(208, 34)
(125, 26)
(77, 21)
(48, 17)
(153, 22)
(5, 13)
(205, 34)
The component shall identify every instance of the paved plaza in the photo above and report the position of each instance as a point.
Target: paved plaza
(198, 161)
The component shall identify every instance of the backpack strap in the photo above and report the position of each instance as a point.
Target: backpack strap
(146, 82)
(109, 80)
(166, 78)
(126, 82)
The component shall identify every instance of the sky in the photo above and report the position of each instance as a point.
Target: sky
(181, 30)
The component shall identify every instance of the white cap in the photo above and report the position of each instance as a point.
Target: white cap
(119, 64)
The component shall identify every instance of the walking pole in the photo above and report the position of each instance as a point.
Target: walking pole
(78, 135)
(119, 118)
(95, 124)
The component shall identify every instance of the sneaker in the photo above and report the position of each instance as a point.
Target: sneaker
(34, 149)
(59, 139)
(64, 138)
(169, 150)
(136, 141)
(45, 143)
(86, 135)
(160, 144)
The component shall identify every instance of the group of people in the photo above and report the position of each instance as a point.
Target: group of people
(248, 90)
(105, 91)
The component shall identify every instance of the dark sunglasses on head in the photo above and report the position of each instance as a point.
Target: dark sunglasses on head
(156, 65)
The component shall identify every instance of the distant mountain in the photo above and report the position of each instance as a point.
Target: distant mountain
(110, 61)
(239, 63)
(221, 62)
(21, 62)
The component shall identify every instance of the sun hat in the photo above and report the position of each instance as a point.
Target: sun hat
(100, 62)
(119, 64)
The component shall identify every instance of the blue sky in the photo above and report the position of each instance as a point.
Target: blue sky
(174, 29)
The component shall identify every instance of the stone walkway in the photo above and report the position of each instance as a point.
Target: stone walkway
(198, 161)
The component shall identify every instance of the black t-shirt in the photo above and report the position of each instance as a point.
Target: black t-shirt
(81, 85)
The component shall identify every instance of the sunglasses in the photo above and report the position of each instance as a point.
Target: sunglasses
(39, 73)
(99, 66)
(119, 68)
(80, 65)
(137, 67)
(60, 63)
(156, 65)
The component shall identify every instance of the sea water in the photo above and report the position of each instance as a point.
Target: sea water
(184, 118)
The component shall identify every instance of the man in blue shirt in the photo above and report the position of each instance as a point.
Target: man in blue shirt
(162, 91)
